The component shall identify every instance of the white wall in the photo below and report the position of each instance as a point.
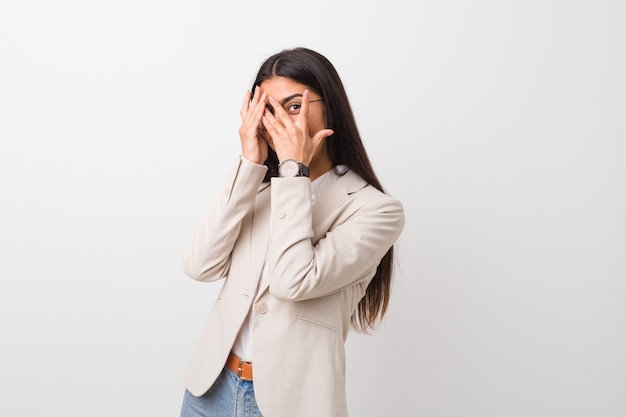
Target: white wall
(501, 126)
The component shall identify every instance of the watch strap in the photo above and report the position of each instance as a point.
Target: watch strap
(304, 170)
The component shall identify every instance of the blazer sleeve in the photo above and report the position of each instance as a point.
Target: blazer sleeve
(367, 225)
(207, 255)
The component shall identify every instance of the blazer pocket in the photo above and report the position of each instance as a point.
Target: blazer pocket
(319, 325)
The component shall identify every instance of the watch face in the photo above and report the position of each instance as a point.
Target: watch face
(289, 168)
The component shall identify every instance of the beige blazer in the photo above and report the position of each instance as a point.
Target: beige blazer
(321, 258)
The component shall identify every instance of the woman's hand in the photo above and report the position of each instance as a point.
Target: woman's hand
(290, 137)
(253, 146)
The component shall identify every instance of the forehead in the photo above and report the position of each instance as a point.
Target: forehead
(281, 87)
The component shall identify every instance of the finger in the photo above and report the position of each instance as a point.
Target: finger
(245, 105)
(256, 96)
(279, 113)
(251, 101)
(303, 116)
(270, 122)
(258, 107)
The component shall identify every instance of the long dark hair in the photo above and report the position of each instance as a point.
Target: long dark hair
(344, 147)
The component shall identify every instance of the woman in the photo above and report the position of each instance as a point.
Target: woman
(302, 235)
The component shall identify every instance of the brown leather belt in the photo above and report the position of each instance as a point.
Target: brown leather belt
(243, 369)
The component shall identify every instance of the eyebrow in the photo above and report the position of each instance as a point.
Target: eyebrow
(286, 99)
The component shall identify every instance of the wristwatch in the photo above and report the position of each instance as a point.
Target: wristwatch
(292, 168)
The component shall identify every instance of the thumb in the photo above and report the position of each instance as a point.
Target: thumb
(320, 136)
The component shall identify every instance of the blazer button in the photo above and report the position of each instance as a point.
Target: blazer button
(282, 215)
(261, 308)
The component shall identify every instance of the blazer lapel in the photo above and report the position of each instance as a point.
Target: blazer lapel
(346, 184)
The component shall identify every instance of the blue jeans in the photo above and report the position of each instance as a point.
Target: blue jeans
(229, 396)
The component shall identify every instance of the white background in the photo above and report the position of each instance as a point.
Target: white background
(501, 126)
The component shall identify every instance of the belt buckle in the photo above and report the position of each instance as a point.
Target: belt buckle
(240, 368)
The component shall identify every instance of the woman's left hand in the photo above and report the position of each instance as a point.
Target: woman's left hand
(291, 138)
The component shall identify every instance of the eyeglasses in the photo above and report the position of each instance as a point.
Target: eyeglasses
(292, 107)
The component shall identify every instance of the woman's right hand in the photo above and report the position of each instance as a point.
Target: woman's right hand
(253, 146)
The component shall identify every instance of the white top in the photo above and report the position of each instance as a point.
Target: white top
(243, 343)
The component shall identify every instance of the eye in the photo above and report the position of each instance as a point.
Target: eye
(293, 108)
